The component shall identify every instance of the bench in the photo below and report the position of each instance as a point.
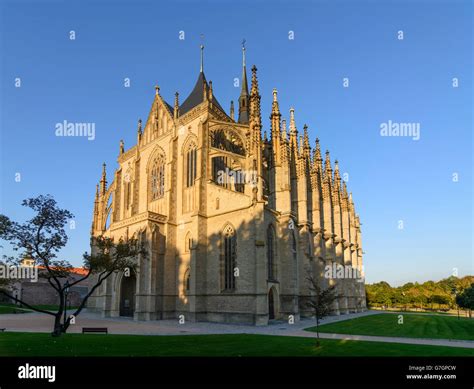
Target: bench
(95, 330)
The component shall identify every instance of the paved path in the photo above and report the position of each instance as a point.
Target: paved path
(37, 322)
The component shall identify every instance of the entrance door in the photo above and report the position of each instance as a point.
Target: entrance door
(127, 295)
(271, 306)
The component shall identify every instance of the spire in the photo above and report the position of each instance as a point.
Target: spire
(327, 166)
(139, 131)
(275, 106)
(244, 92)
(293, 133)
(337, 177)
(275, 124)
(306, 146)
(327, 178)
(344, 197)
(301, 147)
(283, 130)
(211, 93)
(336, 183)
(317, 160)
(344, 190)
(351, 205)
(103, 180)
(202, 58)
(292, 122)
(255, 113)
(96, 209)
(176, 105)
(232, 110)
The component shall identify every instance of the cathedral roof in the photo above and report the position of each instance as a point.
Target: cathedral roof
(196, 97)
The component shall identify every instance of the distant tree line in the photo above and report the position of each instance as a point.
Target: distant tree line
(449, 293)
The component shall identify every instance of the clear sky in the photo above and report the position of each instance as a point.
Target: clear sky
(407, 80)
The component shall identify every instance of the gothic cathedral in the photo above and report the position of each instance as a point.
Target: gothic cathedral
(234, 221)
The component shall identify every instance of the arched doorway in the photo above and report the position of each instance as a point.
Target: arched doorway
(127, 295)
(271, 305)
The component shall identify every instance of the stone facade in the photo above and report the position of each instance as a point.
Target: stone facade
(233, 221)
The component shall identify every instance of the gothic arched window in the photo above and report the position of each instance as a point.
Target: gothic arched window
(191, 165)
(157, 178)
(128, 193)
(188, 243)
(228, 258)
(271, 253)
(227, 140)
(187, 280)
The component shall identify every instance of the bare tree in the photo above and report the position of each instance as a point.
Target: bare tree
(320, 302)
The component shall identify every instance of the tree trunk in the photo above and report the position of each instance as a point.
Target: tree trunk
(57, 326)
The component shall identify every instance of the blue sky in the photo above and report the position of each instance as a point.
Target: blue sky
(405, 81)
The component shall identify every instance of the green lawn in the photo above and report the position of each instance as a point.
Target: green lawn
(34, 344)
(51, 307)
(4, 309)
(414, 326)
(10, 308)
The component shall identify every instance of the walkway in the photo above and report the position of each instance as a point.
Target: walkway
(37, 322)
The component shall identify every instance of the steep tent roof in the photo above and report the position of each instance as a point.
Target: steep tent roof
(196, 97)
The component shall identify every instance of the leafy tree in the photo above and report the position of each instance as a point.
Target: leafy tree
(439, 299)
(44, 236)
(320, 301)
(466, 299)
(415, 294)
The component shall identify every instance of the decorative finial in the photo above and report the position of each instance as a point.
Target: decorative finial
(232, 110)
(157, 90)
(275, 92)
(103, 180)
(243, 52)
(122, 146)
(176, 105)
(140, 126)
(292, 121)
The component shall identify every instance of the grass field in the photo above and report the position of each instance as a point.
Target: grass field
(414, 326)
(11, 308)
(4, 309)
(34, 344)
